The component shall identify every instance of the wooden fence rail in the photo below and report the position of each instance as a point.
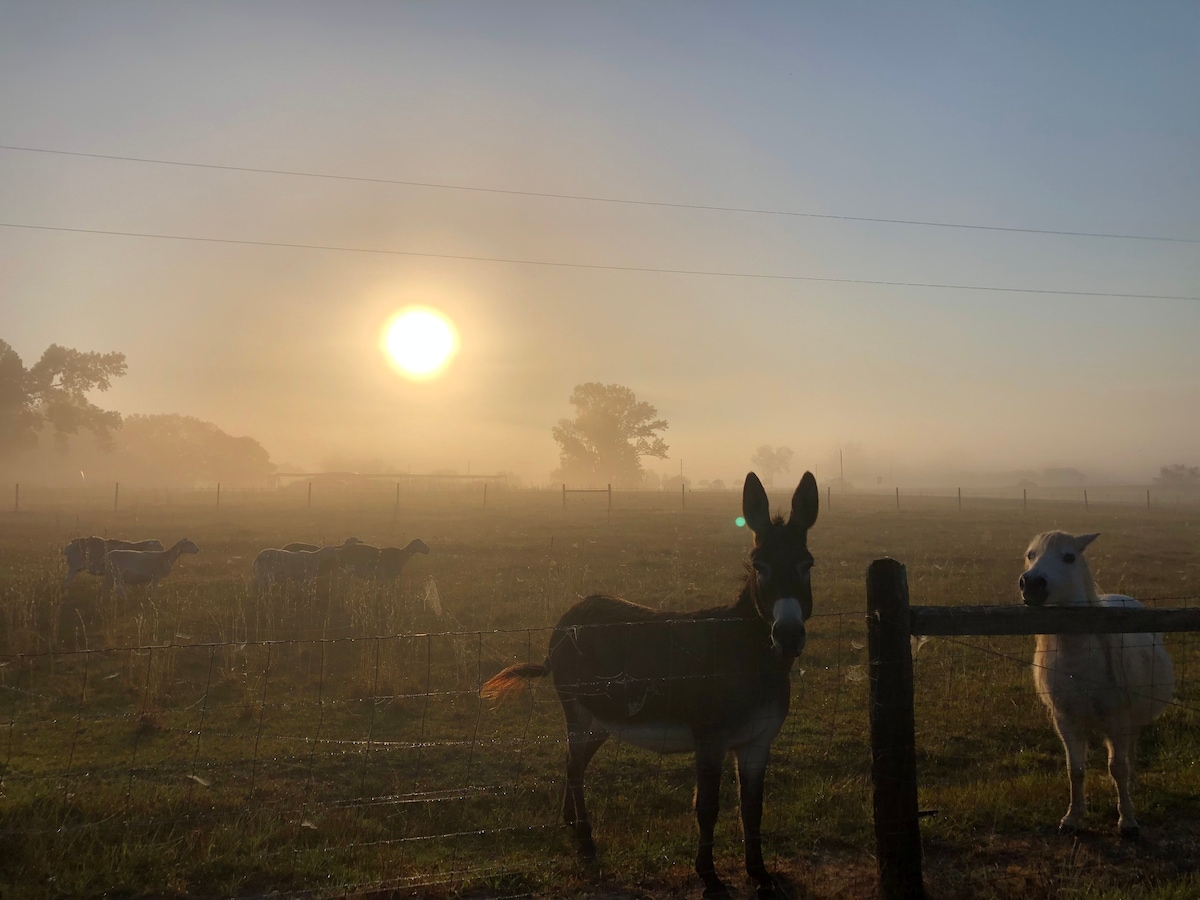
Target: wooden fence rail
(891, 622)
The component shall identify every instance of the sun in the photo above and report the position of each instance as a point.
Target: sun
(419, 342)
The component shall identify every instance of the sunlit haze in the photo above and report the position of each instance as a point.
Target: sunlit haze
(920, 242)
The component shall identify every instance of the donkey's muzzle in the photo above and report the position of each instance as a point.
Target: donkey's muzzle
(787, 627)
(788, 638)
(1034, 589)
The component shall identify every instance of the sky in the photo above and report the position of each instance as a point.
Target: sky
(721, 268)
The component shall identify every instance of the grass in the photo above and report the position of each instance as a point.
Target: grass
(212, 743)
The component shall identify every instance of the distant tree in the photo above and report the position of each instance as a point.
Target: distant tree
(769, 461)
(1179, 477)
(53, 393)
(611, 432)
(172, 448)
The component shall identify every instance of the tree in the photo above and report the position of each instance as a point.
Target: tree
(1179, 477)
(54, 393)
(770, 461)
(184, 449)
(611, 432)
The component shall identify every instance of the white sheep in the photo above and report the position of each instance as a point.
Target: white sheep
(1110, 683)
(145, 566)
(273, 566)
(87, 555)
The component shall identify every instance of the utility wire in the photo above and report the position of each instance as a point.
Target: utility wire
(598, 266)
(615, 200)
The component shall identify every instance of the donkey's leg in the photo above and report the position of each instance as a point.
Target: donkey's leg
(583, 740)
(1122, 743)
(1075, 745)
(752, 769)
(709, 759)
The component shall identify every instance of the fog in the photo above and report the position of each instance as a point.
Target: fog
(444, 155)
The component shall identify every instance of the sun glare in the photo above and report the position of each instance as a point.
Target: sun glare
(419, 342)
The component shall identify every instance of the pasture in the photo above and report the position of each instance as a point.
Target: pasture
(215, 743)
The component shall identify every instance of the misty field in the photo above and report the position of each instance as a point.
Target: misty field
(215, 743)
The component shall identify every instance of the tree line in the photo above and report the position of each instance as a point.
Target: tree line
(45, 408)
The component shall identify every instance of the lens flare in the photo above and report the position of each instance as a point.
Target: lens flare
(739, 522)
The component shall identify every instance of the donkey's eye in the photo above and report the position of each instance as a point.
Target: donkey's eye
(1030, 555)
(1068, 557)
(763, 568)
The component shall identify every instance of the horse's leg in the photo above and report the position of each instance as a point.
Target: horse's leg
(582, 743)
(1122, 742)
(709, 759)
(1075, 745)
(752, 769)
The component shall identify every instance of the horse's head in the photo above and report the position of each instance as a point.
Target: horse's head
(781, 587)
(1056, 574)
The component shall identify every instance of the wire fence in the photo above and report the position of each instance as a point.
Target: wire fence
(389, 497)
(374, 756)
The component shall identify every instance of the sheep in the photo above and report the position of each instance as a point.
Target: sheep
(142, 566)
(273, 566)
(87, 555)
(367, 561)
(1110, 683)
(301, 545)
(393, 559)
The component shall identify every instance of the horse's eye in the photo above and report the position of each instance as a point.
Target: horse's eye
(1068, 557)
(1030, 555)
(763, 568)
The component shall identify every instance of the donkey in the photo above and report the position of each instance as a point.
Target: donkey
(704, 682)
(1110, 683)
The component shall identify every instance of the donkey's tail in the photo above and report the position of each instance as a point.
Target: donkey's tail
(511, 681)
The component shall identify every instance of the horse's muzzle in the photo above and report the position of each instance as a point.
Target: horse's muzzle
(1034, 589)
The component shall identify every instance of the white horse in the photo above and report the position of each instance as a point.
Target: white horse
(1108, 683)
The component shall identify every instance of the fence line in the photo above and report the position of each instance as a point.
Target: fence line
(314, 495)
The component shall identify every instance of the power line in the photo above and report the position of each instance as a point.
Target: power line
(596, 266)
(615, 200)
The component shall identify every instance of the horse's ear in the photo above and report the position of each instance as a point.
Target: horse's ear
(756, 509)
(1083, 540)
(805, 502)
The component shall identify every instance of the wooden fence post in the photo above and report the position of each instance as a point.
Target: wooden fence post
(960, 499)
(897, 499)
(17, 497)
(564, 496)
(1147, 499)
(1085, 503)
(683, 496)
(828, 498)
(1025, 498)
(218, 495)
(116, 494)
(893, 733)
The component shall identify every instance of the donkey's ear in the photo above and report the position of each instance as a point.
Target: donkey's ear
(1083, 540)
(756, 509)
(805, 502)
